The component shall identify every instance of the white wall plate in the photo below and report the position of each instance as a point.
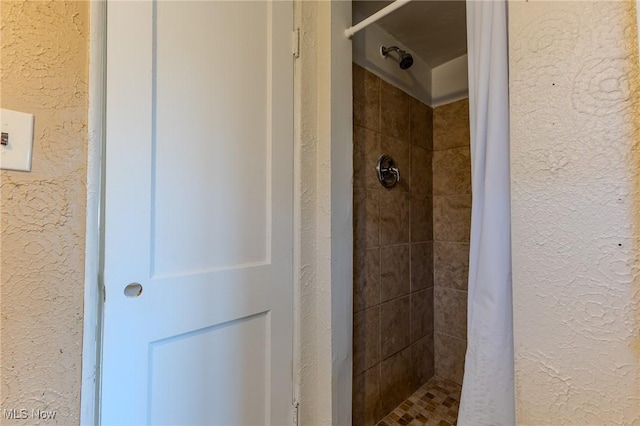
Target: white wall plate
(18, 127)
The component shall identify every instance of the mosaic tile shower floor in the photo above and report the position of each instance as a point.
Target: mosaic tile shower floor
(435, 403)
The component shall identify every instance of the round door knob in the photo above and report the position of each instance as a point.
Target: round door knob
(133, 290)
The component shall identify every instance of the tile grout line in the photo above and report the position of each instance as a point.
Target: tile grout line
(379, 95)
(448, 335)
(452, 148)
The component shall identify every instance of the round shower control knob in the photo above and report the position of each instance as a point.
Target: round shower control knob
(388, 172)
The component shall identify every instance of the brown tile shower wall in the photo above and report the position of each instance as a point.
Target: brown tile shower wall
(451, 227)
(393, 253)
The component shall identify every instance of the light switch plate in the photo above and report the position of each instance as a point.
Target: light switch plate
(18, 127)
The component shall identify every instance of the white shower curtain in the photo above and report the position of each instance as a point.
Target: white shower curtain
(488, 389)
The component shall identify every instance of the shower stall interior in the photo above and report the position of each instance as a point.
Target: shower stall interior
(412, 216)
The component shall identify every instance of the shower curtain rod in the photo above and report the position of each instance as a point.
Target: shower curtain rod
(350, 32)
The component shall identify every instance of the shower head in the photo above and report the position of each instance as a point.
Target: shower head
(404, 59)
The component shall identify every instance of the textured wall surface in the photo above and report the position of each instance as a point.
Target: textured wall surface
(323, 213)
(575, 166)
(313, 350)
(44, 72)
(393, 253)
(451, 230)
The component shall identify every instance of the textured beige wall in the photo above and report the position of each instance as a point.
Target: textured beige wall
(323, 213)
(44, 72)
(575, 166)
(313, 252)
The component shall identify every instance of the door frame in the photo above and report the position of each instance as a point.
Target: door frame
(334, 232)
(92, 318)
(340, 130)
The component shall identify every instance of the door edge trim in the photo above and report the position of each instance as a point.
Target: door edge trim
(92, 311)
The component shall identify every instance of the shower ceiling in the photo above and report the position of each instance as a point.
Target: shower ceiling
(436, 31)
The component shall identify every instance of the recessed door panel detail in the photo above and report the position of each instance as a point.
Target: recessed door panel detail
(214, 376)
(211, 136)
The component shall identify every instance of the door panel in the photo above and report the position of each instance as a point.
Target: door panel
(198, 211)
(225, 104)
(222, 376)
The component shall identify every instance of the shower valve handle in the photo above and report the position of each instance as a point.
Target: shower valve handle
(388, 172)
(393, 170)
